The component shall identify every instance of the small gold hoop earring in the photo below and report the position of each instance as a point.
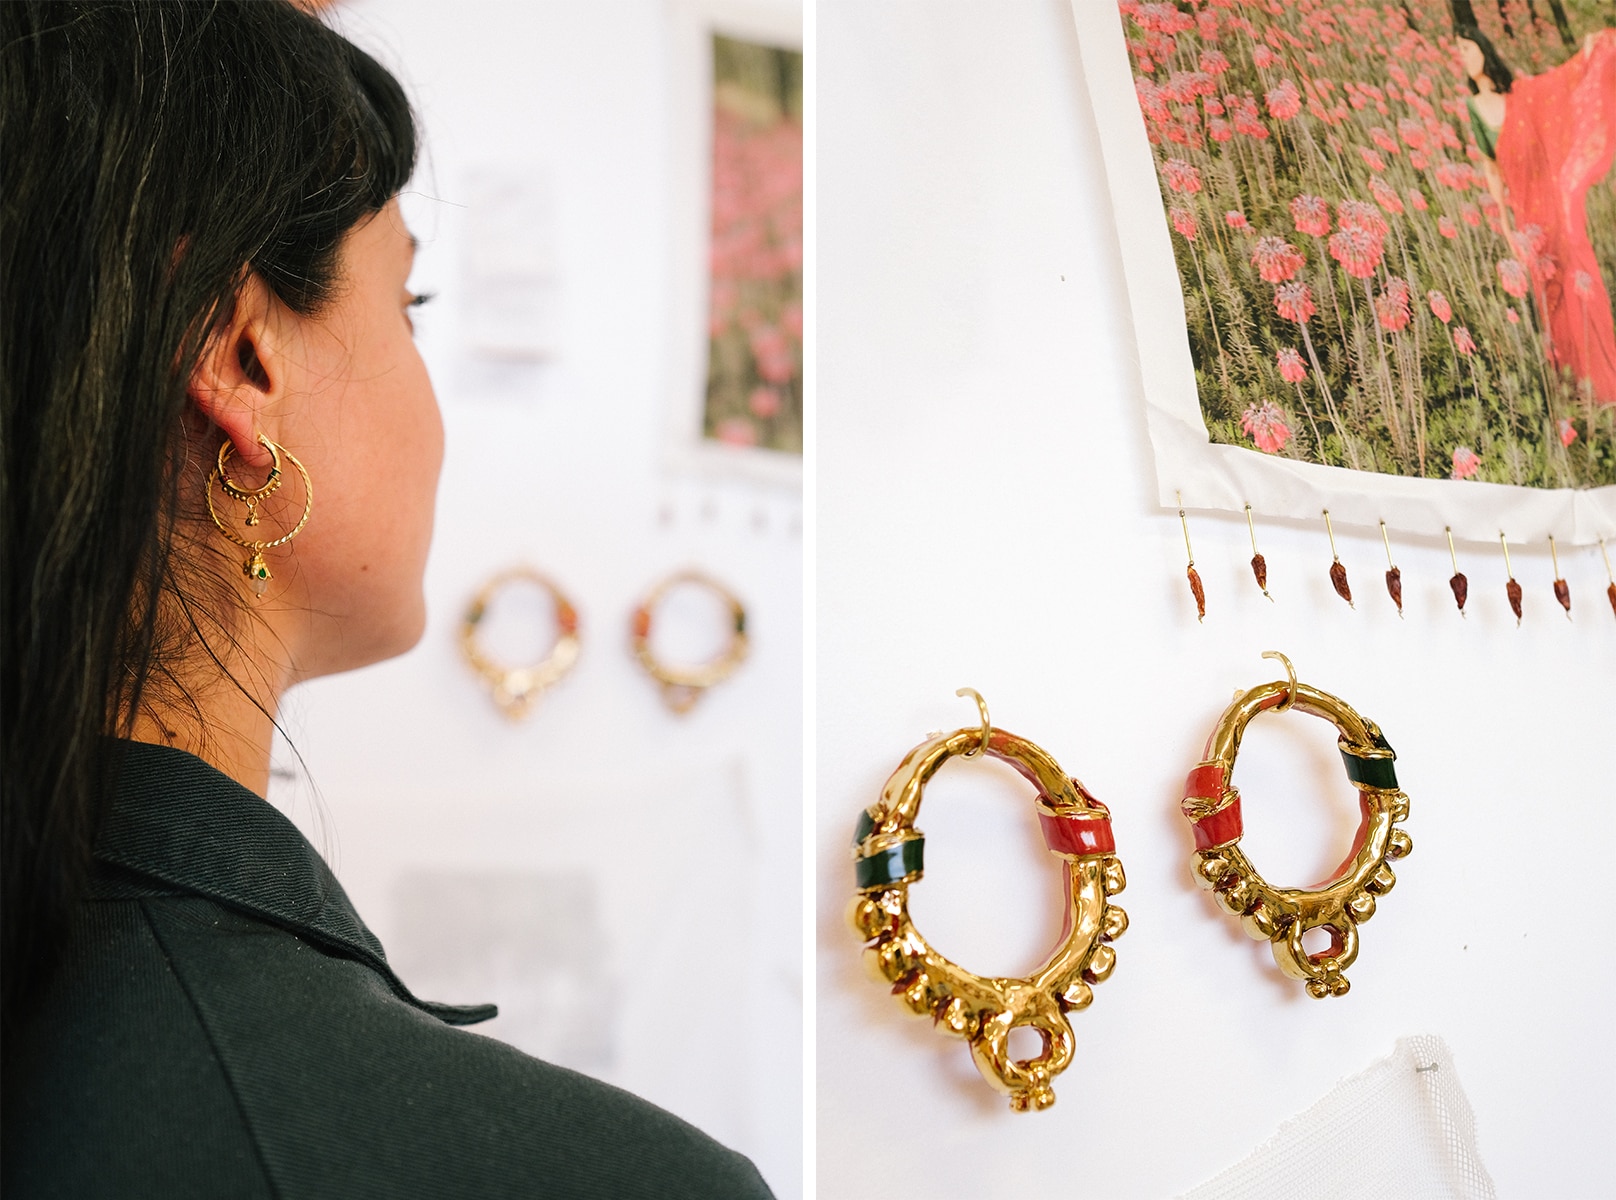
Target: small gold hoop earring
(888, 859)
(1281, 916)
(683, 686)
(255, 568)
(517, 689)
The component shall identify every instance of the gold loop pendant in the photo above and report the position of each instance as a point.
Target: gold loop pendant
(887, 856)
(517, 689)
(1283, 916)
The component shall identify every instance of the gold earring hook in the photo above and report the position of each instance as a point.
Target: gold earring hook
(987, 729)
(1290, 695)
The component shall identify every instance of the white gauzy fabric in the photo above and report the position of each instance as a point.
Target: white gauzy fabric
(1401, 1130)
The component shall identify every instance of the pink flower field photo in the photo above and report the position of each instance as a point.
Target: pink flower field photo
(1395, 228)
(754, 352)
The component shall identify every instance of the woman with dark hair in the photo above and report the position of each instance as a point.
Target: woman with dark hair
(220, 458)
(1546, 139)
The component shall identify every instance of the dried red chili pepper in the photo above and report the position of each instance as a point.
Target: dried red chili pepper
(1611, 592)
(1562, 593)
(1461, 589)
(1394, 585)
(1259, 568)
(1198, 592)
(1513, 590)
(1338, 577)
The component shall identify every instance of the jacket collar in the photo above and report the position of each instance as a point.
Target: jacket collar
(175, 820)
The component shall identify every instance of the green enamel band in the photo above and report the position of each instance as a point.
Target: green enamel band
(889, 866)
(1371, 772)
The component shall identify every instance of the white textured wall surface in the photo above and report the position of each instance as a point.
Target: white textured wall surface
(985, 518)
(678, 841)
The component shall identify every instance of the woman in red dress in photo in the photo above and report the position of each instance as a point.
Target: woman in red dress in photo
(1549, 138)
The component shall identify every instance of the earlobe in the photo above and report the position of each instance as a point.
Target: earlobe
(234, 380)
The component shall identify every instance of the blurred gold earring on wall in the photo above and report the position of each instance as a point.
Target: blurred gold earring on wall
(887, 861)
(255, 568)
(682, 686)
(517, 689)
(1282, 916)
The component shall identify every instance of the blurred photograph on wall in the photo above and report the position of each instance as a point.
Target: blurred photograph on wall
(754, 348)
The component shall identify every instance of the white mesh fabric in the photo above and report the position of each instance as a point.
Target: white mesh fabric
(1402, 1130)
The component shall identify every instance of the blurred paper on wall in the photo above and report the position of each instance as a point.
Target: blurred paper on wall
(610, 917)
(534, 939)
(511, 275)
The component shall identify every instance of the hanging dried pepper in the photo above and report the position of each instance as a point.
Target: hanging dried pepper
(1513, 590)
(1197, 591)
(1394, 585)
(1259, 568)
(1461, 589)
(1562, 593)
(1338, 577)
(1611, 592)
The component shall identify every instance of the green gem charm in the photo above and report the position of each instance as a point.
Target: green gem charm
(257, 571)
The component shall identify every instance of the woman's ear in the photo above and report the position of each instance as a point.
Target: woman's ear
(237, 378)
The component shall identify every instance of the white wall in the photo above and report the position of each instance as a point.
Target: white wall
(686, 832)
(984, 519)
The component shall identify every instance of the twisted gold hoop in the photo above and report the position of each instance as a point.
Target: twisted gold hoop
(683, 686)
(255, 568)
(1281, 916)
(887, 858)
(517, 689)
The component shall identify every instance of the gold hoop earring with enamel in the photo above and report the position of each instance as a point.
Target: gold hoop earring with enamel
(888, 860)
(1282, 916)
(255, 568)
(517, 689)
(682, 686)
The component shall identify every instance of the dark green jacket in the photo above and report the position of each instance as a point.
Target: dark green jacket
(225, 1026)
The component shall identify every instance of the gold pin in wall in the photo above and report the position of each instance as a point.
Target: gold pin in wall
(1191, 573)
(1459, 584)
(1562, 589)
(1259, 564)
(1394, 577)
(1511, 589)
(1338, 573)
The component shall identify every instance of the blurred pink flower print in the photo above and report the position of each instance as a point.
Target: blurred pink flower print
(1266, 425)
(1311, 214)
(1180, 176)
(1323, 153)
(1294, 302)
(1276, 259)
(754, 373)
(1284, 101)
(1512, 277)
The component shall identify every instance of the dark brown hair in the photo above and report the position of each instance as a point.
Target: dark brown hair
(155, 153)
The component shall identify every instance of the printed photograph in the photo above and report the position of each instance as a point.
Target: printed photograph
(1395, 228)
(754, 353)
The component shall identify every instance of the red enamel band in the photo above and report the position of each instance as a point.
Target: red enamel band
(1078, 835)
(1219, 828)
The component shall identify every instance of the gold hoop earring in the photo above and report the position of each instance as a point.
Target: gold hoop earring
(683, 686)
(888, 859)
(517, 689)
(1281, 916)
(255, 568)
